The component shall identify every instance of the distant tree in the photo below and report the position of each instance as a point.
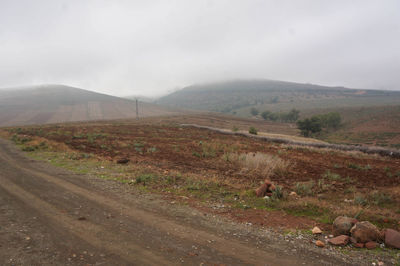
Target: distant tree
(275, 99)
(265, 115)
(316, 123)
(273, 117)
(253, 130)
(331, 120)
(310, 126)
(293, 115)
(254, 111)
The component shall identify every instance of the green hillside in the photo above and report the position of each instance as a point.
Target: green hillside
(238, 97)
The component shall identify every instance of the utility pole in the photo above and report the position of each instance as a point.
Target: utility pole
(137, 109)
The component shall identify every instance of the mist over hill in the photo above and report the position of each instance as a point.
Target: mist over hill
(238, 96)
(58, 103)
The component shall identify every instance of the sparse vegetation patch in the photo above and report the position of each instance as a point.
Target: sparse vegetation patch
(215, 167)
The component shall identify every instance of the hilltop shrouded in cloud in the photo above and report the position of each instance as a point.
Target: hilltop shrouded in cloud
(149, 47)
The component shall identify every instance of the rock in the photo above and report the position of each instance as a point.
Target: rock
(358, 245)
(316, 231)
(293, 194)
(392, 238)
(262, 190)
(365, 232)
(319, 243)
(341, 240)
(123, 161)
(342, 225)
(265, 189)
(371, 245)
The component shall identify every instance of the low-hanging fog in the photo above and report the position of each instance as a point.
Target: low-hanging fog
(150, 47)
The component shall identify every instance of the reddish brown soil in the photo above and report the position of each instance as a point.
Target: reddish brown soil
(175, 148)
(162, 146)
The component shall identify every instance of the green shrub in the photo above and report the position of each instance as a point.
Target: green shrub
(151, 150)
(145, 178)
(305, 188)
(331, 176)
(379, 198)
(278, 193)
(360, 200)
(29, 148)
(253, 130)
(254, 111)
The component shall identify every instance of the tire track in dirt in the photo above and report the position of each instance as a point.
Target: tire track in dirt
(93, 234)
(102, 233)
(111, 220)
(230, 248)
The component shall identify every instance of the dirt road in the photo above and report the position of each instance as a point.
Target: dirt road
(51, 216)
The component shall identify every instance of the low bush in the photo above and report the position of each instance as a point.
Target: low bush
(253, 130)
(380, 198)
(305, 188)
(360, 200)
(331, 176)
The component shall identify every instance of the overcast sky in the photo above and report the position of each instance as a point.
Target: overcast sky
(150, 47)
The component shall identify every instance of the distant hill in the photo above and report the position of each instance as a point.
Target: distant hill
(373, 125)
(239, 96)
(59, 103)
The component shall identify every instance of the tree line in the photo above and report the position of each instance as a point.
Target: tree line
(308, 126)
(291, 116)
(315, 124)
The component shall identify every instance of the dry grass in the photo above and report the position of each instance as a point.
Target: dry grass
(290, 137)
(354, 154)
(258, 163)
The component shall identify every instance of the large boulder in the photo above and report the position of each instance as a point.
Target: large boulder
(392, 238)
(365, 232)
(342, 225)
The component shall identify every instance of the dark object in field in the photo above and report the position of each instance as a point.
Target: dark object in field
(265, 189)
(82, 218)
(123, 161)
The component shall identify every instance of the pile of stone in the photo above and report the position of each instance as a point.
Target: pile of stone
(265, 189)
(362, 234)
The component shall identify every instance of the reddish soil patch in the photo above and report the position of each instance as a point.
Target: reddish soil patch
(200, 150)
(164, 146)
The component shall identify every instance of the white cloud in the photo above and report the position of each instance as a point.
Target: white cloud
(148, 47)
